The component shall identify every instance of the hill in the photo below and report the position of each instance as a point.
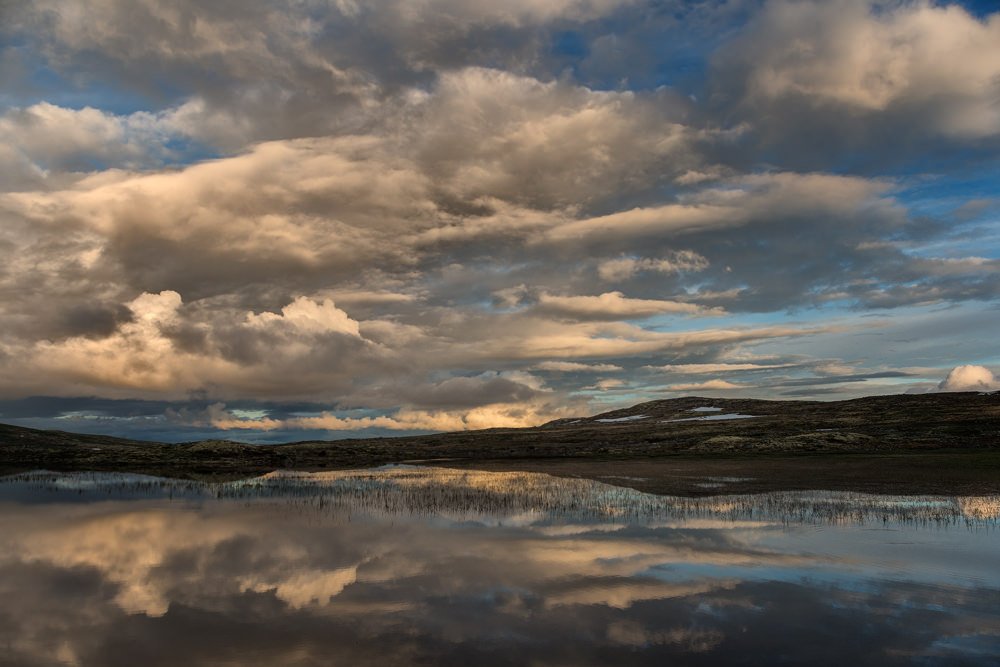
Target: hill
(945, 431)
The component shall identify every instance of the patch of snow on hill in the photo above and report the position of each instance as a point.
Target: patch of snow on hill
(713, 418)
(622, 419)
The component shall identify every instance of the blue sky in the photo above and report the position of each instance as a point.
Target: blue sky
(270, 221)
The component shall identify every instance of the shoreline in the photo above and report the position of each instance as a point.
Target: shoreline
(908, 444)
(961, 472)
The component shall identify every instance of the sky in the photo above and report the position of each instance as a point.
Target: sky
(269, 221)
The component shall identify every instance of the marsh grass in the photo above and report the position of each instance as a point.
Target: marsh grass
(469, 495)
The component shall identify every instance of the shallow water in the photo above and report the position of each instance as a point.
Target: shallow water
(403, 565)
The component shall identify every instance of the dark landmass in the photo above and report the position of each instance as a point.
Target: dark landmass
(927, 443)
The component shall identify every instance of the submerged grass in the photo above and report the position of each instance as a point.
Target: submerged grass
(505, 496)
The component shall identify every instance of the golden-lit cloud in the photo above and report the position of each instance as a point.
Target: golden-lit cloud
(707, 384)
(615, 306)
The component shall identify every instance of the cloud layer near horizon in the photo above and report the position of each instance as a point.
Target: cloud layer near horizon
(462, 215)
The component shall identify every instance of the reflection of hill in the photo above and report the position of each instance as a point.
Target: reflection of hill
(521, 496)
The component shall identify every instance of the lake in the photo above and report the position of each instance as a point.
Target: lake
(405, 565)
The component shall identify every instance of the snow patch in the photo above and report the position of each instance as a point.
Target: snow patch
(705, 409)
(622, 419)
(713, 418)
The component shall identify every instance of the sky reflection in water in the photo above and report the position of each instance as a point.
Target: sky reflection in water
(403, 565)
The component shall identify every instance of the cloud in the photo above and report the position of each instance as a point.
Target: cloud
(970, 378)
(267, 70)
(137, 355)
(614, 306)
(510, 399)
(716, 368)
(159, 349)
(840, 379)
(213, 226)
(370, 298)
(488, 133)
(488, 388)
(49, 138)
(307, 316)
(518, 12)
(322, 209)
(754, 199)
(400, 207)
(575, 366)
(626, 267)
(708, 384)
(610, 340)
(843, 52)
(241, 86)
(497, 415)
(835, 75)
(609, 383)
(834, 369)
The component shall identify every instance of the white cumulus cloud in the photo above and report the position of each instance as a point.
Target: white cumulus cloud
(970, 378)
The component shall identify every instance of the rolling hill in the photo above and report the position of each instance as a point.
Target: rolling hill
(956, 430)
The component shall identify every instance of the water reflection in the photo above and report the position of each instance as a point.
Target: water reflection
(476, 495)
(420, 565)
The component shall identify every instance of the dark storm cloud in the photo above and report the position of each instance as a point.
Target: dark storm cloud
(97, 321)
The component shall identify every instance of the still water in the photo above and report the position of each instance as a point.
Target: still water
(402, 565)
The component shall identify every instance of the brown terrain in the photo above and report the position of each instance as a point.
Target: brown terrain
(928, 443)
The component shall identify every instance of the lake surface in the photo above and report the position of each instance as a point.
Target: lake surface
(402, 565)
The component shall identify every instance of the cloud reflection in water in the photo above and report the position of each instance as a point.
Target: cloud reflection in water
(408, 565)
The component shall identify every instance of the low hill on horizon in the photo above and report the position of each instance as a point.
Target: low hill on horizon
(692, 424)
(872, 440)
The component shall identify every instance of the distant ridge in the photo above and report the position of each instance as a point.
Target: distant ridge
(690, 426)
(678, 407)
